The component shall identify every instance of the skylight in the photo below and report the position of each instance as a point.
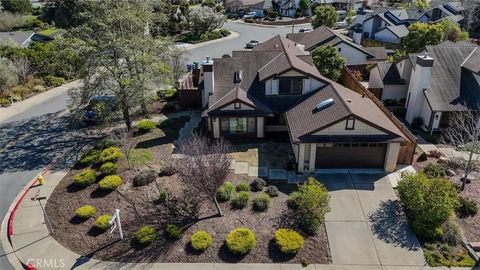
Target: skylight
(324, 104)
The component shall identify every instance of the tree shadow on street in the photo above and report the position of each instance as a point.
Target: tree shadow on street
(46, 138)
(389, 224)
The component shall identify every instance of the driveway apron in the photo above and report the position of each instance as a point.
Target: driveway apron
(367, 225)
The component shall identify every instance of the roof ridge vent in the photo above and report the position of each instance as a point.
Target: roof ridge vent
(324, 104)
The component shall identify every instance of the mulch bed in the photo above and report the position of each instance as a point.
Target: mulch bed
(471, 225)
(137, 208)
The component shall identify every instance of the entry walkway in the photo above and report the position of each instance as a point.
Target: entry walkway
(367, 226)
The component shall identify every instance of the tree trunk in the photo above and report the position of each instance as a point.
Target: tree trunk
(126, 118)
(467, 170)
(220, 213)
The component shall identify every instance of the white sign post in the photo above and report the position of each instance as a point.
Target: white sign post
(116, 223)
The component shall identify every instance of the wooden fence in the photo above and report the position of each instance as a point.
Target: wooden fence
(407, 150)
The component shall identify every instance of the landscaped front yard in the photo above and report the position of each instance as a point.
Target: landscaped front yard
(161, 201)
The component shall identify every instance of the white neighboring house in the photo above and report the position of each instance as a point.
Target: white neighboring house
(354, 54)
(445, 78)
(386, 82)
(392, 34)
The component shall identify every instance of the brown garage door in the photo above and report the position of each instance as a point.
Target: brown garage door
(351, 156)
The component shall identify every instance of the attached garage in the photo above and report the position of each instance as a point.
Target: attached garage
(348, 155)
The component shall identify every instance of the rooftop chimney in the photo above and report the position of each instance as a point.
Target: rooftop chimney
(208, 80)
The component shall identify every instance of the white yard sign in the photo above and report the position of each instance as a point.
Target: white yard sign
(116, 223)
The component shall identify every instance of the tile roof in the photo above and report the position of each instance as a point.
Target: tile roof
(400, 31)
(380, 53)
(445, 92)
(303, 120)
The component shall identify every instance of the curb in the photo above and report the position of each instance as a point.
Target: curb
(190, 46)
(10, 215)
(271, 26)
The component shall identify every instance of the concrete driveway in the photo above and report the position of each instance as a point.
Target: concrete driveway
(367, 225)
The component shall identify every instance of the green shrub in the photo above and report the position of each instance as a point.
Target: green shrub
(241, 241)
(311, 204)
(110, 182)
(243, 186)
(224, 32)
(428, 202)
(170, 94)
(288, 241)
(103, 222)
(224, 193)
(144, 178)
(240, 200)
(257, 184)
(467, 207)
(146, 125)
(16, 98)
(452, 233)
(146, 235)
(201, 240)
(4, 102)
(90, 157)
(174, 231)
(85, 178)
(292, 200)
(162, 196)
(54, 81)
(108, 168)
(104, 144)
(272, 191)
(261, 202)
(39, 88)
(85, 212)
(111, 154)
(434, 170)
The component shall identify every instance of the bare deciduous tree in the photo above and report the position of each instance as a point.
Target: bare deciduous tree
(204, 19)
(233, 5)
(124, 138)
(22, 68)
(464, 133)
(204, 166)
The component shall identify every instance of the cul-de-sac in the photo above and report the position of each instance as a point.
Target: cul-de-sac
(239, 134)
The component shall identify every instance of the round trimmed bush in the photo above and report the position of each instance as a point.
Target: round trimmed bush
(258, 184)
(85, 178)
(288, 241)
(110, 182)
(174, 231)
(91, 157)
(146, 235)
(146, 125)
(85, 212)
(241, 199)
(144, 178)
(201, 240)
(467, 207)
(241, 241)
(224, 193)
(272, 191)
(111, 154)
(243, 186)
(261, 202)
(292, 200)
(434, 170)
(103, 222)
(108, 168)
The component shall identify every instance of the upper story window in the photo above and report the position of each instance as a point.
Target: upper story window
(350, 124)
(290, 86)
(237, 105)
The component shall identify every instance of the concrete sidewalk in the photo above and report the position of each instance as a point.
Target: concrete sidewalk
(32, 243)
(16, 108)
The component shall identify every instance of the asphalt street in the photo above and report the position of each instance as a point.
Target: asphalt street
(31, 140)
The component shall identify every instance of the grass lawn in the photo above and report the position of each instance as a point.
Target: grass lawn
(49, 31)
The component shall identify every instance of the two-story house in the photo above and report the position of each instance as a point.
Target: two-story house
(275, 89)
(353, 54)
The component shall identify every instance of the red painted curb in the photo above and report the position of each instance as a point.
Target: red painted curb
(24, 192)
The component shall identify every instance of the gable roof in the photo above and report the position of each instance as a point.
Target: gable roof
(21, 38)
(238, 94)
(399, 31)
(473, 61)
(448, 91)
(303, 120)
(323, 36)
(390, 73)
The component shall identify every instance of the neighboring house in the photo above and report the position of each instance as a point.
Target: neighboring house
(441, 10)
(288, 8)
(390, 24)
(341, 4)
(275, 89)
(257, 6)
(445, 79)
(386, 82)
(353, 54)
(21, 38)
